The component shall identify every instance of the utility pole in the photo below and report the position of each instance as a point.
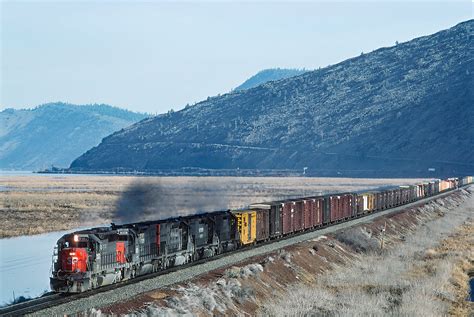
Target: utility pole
(382, 235)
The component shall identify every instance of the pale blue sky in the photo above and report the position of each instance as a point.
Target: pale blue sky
(154, 56)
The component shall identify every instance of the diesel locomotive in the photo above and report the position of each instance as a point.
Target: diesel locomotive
(96, 257)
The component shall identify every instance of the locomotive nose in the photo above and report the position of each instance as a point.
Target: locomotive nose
(74, 260)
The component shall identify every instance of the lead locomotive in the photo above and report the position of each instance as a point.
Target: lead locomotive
(96, 257)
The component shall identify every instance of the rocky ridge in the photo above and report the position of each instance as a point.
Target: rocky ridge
(404, 110)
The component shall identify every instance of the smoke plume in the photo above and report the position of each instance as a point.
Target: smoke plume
(154, 199)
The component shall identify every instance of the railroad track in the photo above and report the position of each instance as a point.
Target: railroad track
(51, 300)
(29, 305)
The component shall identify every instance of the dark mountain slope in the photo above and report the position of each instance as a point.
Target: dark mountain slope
(56, 133)
(394, 112)
(267, 75)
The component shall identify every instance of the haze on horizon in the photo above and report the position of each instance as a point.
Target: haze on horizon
(152, 57)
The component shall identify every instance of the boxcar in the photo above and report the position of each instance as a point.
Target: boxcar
(287, 217)
(436, 187)
(263, 224)
(334, 213)
(360, 204)
(386, 202)
(419, 191)
(462, 181)
(246, 225)
(401, 199)
(398, 197)
(298, 215)
(347, 206)
(353, 204)
(341, 207)
(318, 207)
(309, 213)
(392, 200)
(365, 203)
(380, 200)
(275, 213)
(389, 197)
(276, 224)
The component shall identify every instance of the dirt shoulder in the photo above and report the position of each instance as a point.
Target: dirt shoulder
(421, 270)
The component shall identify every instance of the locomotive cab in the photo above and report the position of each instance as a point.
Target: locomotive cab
(71, 263)
(92, 258)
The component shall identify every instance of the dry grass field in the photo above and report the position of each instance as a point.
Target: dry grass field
(32, 204)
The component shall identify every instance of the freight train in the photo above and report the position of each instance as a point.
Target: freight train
(96, 257)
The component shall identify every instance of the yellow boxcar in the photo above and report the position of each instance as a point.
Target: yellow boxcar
(371, 202)
(247, 225)
(368, 200)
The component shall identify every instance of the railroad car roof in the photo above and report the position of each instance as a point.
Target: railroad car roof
(168, 220)
(278, 202)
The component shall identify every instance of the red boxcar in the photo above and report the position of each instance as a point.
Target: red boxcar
(353, 205)
(308, 208)
(344, 206)
(335, 208)
(287, 217)
(347, 206)
(298, 215)
(318, 207)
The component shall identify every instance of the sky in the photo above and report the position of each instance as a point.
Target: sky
(160, 55)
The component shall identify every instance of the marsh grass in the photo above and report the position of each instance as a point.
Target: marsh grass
(31, 204)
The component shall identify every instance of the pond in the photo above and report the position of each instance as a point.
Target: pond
(25, 265)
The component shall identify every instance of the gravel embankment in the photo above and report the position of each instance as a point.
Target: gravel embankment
(129, 291)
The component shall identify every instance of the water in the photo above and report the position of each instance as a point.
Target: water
(25, 265)
(14, 173)
(471, 286)
(31, 173)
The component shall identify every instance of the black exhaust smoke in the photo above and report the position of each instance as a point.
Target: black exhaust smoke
(155, 199)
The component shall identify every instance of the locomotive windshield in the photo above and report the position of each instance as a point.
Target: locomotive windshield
(76, 241)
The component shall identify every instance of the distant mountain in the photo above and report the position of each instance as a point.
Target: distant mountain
(397, 111)
(56, 133)
(267, 75)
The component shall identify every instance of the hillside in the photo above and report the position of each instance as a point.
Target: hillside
(397, 111)
(267, 75)
(56, 133)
